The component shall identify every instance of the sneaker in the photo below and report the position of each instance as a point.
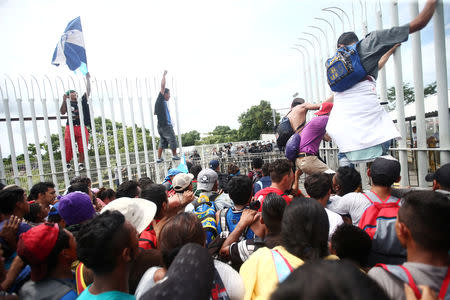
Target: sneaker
(80, 166)
(69, 167)
(175, 157)
(159, 160)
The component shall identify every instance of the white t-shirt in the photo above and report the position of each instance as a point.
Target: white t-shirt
(335, 220)
(230, 278)
(354, 204)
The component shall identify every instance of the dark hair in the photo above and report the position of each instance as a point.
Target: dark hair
(62, 242)
(145, 182)
(265, 169)
(279, 168)
(353, 243)
(297, 101)
(348, 180)
(79, 187)
(180, 230)
(39, 188)
(55, 218)
(382, 180)
(166, 90)
(232, 169)
(317, 185)
(257, 162)
(104, 193)
(334, 279)
(272, 212)
(240, 189)
(347, 38)
(304, 229)
(9, 197)
(425, 213)
(32, 215)
(194, 170)
(101, 240)
(155, 193)
(83, 179)
(128, 188)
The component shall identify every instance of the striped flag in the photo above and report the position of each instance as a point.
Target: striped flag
(70, 49)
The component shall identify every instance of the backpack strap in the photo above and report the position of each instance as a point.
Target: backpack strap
(223, 219)
(282, 266)
(79, 278)
(443, 293)
(403, 274)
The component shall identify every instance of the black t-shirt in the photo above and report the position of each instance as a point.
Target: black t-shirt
(76, 113)
(160, 110)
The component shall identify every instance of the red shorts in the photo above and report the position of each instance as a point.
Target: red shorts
(78, 139)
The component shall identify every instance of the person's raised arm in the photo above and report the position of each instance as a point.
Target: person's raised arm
(424, 17)
(63, 108)
(163, 82)
(386, 56)
(88, 84)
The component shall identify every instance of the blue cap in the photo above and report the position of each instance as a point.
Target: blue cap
(54, 210)
(213, 164)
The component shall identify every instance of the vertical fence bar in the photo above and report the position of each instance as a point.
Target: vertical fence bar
(105, 136)
(144, 133)
(2, 168)
(422, 162)
(133, 128)
(12, 148)
(60, 135)
(116, 141)
(152, 126)
(400, 105)
(441, 81)
(47, 134)
(124, 129)
(35, 131)
(87, 165)
(24, 137)
(94, 137)
(178, 118)
(381, 81)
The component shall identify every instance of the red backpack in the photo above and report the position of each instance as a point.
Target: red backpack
(379, 222)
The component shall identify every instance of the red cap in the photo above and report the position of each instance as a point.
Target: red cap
(325, 108)
(35, 245)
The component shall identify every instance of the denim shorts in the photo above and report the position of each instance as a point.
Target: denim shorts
(167, 137)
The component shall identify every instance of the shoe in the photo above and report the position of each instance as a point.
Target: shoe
(69, 167)
(175, 157)
(80, 167)
(159, 160)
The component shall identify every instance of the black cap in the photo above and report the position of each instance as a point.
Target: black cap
(442, 176)
(386, 166)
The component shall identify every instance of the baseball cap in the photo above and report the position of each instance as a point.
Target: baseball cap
(325, 108)
(442, 175)
(181, 181)
(75, 208)
(206, 179)
(54, 210)
(139, 212)
(213, 164)
(386, 166)
(35, 245)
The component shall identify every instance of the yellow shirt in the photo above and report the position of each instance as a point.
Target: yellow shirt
(259, 273)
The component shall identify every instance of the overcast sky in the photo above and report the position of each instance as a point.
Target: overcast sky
(225, 56)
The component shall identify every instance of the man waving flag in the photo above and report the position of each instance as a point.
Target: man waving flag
(70, 49)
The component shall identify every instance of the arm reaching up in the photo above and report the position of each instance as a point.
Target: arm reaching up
(424, 17)
(386, 56)
(163, 82)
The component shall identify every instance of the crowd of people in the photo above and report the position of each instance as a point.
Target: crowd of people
(259, 234)
(211, 235)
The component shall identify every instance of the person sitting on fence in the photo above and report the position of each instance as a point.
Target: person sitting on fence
(73, 96)
(423, 228)
(358, 124)
(294, 121)
(165, 128)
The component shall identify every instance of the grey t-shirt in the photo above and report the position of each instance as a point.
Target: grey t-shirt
(377, 43)
(423, 274)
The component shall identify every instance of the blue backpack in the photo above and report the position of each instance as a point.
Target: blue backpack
(344, 69)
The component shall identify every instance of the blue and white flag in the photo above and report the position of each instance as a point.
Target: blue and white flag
(70, 49)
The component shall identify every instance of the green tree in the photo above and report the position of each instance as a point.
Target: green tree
(255, 121)
(221, 134)
(408, 93)
(190, 138)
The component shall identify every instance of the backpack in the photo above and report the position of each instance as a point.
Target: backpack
(293, 147)
(378, 221)
(227, 225)
(204, 210)
(404, 275)
(344, 69)
(282, 266)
